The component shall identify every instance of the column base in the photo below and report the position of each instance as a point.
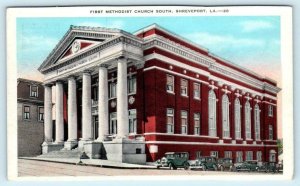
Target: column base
(125, 151)
(50, 146)
(94, 150)
(81, 143)
(69, 145)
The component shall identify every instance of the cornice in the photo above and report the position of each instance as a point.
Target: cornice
(190, 55)
(95, 49)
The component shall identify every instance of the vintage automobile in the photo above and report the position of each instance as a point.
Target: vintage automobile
(268, 167)
(204, 163)
(249, 165)
(280, 167)
(174, 160)
(226, 164)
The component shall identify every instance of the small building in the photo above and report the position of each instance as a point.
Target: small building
(30, 117)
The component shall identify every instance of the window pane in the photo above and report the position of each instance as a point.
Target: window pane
(27, 109)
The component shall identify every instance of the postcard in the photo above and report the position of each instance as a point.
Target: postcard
(136, 92)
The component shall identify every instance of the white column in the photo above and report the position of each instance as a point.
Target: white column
(122, 99)
(102, 103)
(59, 123)
(48, 126)
(72, 110)
(86, 107)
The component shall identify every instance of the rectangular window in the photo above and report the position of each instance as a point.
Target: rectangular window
(184, 120)
(197, 124)
(112, 90)
(196, 90)
(198, 154)
(270, 110)
(259, 156)
(227, 154)
(132, 85)
(113, 123)
(170, 120)
(26, 112)
(132, 121)
(239, 156)
(41, 113)
(214, 154)
(33, 91)
(170, 83)
(249, 155)
(270, 132)
(184, 87)
(272, 157)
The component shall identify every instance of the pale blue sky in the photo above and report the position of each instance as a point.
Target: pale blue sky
(252, 42)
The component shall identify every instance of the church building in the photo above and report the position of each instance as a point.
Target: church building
(139, 95)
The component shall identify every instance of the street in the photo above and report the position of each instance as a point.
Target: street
(43, 168)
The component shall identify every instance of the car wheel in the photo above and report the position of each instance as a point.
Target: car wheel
(170, 166)
(215, 167)
(222, 168)
(204, 168)
(233, 169)
(186, 166)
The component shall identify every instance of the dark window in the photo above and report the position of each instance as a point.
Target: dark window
(41, 113)
(26, 112)
(33, 91)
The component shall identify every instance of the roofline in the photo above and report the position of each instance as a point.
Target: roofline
(29, 81)
(73, 28)
(155, 25)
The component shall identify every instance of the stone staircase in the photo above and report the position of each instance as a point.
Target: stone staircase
(63, 153)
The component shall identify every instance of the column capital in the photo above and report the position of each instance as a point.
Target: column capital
(122, 59)
(48, 85)
(103, 65)
(59, 81)
(71, 77)
(87, 71)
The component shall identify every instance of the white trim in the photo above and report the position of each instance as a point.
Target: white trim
(171, 34)
(202, 72)
(182, 135)
(205, 143)
(174, 73)
(213, 65)
(242, 87)
(270, 103)
(176, 63)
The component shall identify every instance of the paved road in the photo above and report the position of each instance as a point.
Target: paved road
(42, 168)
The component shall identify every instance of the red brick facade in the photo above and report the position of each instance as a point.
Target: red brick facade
(151, 100)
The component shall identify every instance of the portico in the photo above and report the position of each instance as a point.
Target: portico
(80, 66)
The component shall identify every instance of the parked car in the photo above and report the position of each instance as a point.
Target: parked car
(226, 164)
(280, 167)
(174, 160)
(250, 165)
(205, 163)
(268, 167)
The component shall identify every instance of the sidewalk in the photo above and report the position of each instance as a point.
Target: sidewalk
(92, 162)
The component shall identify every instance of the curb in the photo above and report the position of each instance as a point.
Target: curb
(84, 164)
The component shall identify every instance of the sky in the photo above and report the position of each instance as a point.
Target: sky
(249, 41)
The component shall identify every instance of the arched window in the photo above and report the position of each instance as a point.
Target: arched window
(257, 122)
(237, 118)
(248, 120)
(212, 113)
(225, 116)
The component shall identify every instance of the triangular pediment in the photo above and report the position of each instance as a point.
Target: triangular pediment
(77, 40)
(76, 47)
